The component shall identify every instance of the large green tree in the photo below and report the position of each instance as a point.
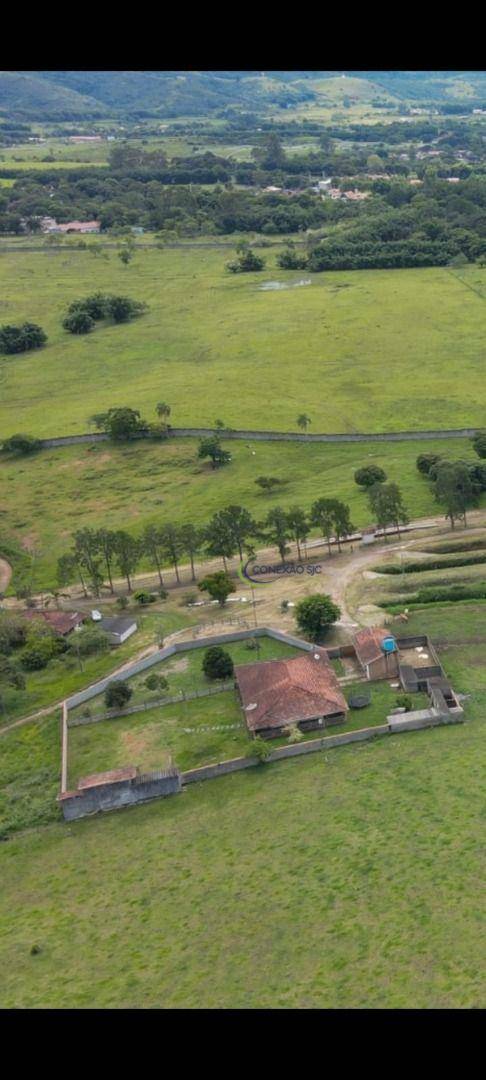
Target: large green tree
(322, 515)
(210, 447)
(153, 546)
(220, 538)
(171, 540)
(127, 553)
(277, 530)
(454, 489)
(191, 539)
(315, 614)
(299, 526)
(219, 586)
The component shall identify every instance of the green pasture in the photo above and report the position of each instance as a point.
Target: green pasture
(358, 351)
(47, 496)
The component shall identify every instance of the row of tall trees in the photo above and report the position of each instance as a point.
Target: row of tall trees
(99, 554)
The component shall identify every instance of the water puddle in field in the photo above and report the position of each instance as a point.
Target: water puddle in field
(271, 286)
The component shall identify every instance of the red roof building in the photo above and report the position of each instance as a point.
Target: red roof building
(60, 621)
(277, 693)
(375, 661)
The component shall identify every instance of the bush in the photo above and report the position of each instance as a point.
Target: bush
(432, 564)
(246, 262)
(21, 444)
(259, 749)
(89, 641)
(144, 598)
(315, 614)
(294, 733)
(479, 443)
(78, 322)
(17, 339)
(122, 602)
(36, 657)
(404, 701)
(117, 694)
(426, 461)
(217, 663)
(156, 682)
(163, 594)
(289, 259)
(369, 475)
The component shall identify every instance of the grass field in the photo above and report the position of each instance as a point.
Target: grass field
(370, 350)
(349, 879)
(186, 734)
(45, 496)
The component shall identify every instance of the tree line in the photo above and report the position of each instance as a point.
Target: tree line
(97, 554)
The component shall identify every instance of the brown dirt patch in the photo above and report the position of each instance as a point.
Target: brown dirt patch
(138, 743)
(178, 665)
(29, 542)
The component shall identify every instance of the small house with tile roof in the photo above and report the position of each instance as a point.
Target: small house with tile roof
(377, 652)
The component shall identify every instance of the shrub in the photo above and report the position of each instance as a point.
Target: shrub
(251, 644)
(21, 444)
(432, 564)
(89, 641)
(369, 475)
(144, 598)
(479, 443)
(163, 594)
(289, 259)
(156, 682)
(117, 694)
(294, 733)
(217, 663)
(259, 749)
(426, 461)
(246, 262)
(404, 701)
(17, 339)
(122, 602)
(36, 657)
(78, 322)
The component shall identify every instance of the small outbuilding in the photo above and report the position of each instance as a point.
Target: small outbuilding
(118, 629)
(377, 652)
(276, 694)
(62, 622)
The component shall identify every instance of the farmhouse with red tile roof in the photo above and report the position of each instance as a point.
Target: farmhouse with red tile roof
(277, 693)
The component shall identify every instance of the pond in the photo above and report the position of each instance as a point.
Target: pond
(270, 286)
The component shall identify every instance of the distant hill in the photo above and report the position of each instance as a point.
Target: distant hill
(30, 96)
(69, 95)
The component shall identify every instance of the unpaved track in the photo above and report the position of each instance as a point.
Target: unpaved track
(5, 575)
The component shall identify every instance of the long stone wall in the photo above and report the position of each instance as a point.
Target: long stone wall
(276, 436)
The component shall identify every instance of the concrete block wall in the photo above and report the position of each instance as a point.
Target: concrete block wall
(185, 646)
(113, 796)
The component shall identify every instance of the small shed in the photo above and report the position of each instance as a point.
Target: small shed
(118, 629)
(368, 535)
